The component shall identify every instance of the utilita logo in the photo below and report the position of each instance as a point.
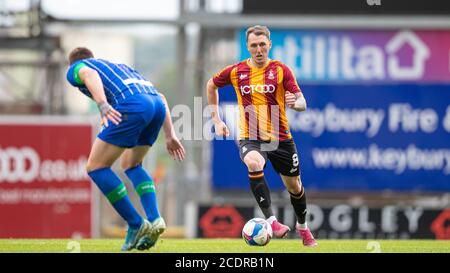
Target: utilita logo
(25, 165)
(354, 55)
(259, 88)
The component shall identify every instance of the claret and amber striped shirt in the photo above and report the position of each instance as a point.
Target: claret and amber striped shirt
(260, 93)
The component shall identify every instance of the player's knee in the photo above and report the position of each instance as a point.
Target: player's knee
(126, 164)
(92, 166)
(254, 165)
(294, 190)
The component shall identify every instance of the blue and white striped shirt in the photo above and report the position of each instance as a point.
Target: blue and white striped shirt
(119, 80)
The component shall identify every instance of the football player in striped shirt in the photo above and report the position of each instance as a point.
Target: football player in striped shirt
(132, 113)
(264, 88)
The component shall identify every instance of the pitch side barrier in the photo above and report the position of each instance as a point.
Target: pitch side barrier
(337, 221)
(43, 177)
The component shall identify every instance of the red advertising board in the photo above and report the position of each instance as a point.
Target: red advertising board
(44, 189)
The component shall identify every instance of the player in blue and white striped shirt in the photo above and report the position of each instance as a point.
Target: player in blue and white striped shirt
(137, 112)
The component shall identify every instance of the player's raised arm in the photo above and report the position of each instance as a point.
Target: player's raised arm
(94, 84)
(213, 102)
(173, 144)
(293, 96)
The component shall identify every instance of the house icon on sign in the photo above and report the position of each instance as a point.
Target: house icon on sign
(420, 54)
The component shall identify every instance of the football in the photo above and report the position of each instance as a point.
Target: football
(257, 232)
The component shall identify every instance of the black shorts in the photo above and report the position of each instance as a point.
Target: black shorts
(284, 158)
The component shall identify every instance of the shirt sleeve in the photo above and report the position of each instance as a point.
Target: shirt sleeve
(73, 74)
(289, 81)
(223, 78)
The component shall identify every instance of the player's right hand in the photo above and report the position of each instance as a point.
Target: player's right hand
(290, 99)
(175, 148)
(221, 129)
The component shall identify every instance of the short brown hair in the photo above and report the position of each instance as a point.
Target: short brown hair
(258, 30)
(80, 53)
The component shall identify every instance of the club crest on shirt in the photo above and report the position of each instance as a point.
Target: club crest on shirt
(271, 76)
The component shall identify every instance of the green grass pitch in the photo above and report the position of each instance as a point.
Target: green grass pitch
(167, 245)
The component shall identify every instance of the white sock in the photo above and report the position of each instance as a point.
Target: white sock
(302, 226)
(271, 219)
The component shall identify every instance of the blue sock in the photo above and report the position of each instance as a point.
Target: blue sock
(145, 188)
(115, 191)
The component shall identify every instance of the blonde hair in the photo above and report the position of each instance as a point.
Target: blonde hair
(258, 30)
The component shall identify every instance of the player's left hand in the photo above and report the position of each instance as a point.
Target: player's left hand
(290, 99)
(109, 113)
(175, 148)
